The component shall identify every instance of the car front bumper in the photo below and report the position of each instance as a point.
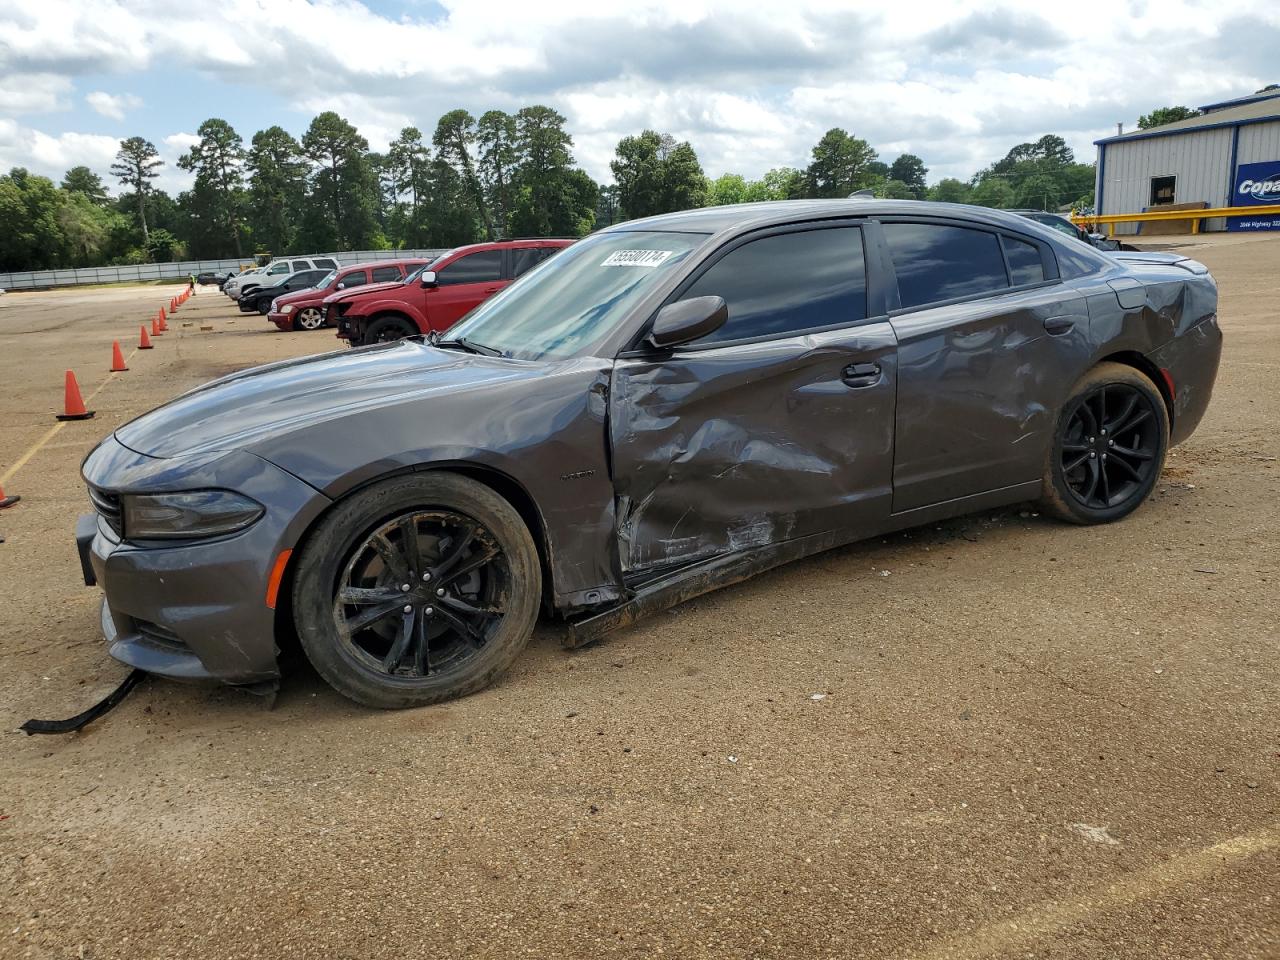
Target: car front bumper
(282, 320)
(195, 610)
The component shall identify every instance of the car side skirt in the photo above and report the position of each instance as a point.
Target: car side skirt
(696, 579)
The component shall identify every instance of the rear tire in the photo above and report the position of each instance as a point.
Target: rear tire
(1108, 448)
(474, 589)
(264, 307)
(387, 329)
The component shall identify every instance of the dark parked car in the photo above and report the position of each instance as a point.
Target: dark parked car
(667, 406)
(1065, 226)
(207, 277)
(259, 298)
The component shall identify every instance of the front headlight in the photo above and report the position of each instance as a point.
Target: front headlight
(200, 513)
(287, 309)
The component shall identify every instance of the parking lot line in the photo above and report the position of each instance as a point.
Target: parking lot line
(53, 431)
(1048, 919)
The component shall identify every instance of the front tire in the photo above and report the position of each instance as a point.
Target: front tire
(387, 329)
(473, 589)
(309, 319)
(1109, 446)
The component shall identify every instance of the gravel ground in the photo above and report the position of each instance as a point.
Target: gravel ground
(995, 737)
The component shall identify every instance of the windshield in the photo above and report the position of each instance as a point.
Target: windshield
(326, 280)
(576, 296)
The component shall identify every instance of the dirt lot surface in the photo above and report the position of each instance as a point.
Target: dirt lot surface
(997, 737)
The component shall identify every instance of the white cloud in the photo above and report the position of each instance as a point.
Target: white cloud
(112, 105)
(52, 156)
(750, 84)
(33, 93)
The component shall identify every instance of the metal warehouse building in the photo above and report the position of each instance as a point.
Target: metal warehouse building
(1206, 159)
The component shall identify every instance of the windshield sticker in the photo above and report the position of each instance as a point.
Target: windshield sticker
(636, 258)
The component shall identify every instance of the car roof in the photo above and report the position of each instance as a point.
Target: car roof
(369, 264)
(742, 215)
(511, 244)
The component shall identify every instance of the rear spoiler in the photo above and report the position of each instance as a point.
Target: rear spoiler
(1162, 259)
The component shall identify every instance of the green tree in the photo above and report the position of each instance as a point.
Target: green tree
(344, 187)
(454, 138)
(498, 146)
(840, 165)
(726, 189)
(554, 198)
(84, 181)
(1162, 115)
(655, 174)
(32, 237)
(277, 188)
(896, 190)
(162, 246)
(410, 158)
(217, 162)
(992, 192)
(910, 169)
(950, 190)
(136, 166)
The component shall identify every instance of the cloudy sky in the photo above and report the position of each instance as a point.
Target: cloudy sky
(751, 85)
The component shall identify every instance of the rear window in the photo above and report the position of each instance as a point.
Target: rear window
(936, 262)
(788, 282)
(1025, 264)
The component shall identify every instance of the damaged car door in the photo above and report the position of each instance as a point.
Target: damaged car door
(778, 425)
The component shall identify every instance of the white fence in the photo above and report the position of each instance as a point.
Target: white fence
(139, 272)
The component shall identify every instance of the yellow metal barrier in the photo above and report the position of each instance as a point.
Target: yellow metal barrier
(1207, 213)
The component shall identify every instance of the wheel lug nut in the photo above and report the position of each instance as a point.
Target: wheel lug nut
(1093, 439)
(404, 588)
(440, 591)
(1092, 455)
(408, 609)
(1111, 443)
(426, 578)
(428, 611)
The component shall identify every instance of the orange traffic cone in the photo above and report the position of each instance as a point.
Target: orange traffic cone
(117, 358)
(164, 325)
(74, 404)
(155, 327)
(7, 501)
(144, 342)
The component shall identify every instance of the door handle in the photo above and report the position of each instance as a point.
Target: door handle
(861, 374)
(1056, 326)
(492, 289)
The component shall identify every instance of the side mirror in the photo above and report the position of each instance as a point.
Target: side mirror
(429, 278)
(342, 285)
(687, 320)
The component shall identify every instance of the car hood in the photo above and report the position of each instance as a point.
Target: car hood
(254, 405)
(310, 293)
(360, 291)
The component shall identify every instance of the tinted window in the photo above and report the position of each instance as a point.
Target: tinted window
(327, 263)
(386, 274)
(1025, 265)
(284, 268)
(522, 258)
(936, 262)
(485, 265)
(1075, 262)
(789, 282)
(301, 265)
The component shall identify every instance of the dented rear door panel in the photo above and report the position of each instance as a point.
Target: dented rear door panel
(724, 449)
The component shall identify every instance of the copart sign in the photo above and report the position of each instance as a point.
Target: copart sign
(1257, 184)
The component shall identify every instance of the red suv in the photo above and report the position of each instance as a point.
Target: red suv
(304, 310)
(436, 297)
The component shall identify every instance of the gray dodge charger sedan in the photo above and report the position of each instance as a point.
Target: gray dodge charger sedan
(668, 406)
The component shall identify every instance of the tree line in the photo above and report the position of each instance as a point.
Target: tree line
(499, 175)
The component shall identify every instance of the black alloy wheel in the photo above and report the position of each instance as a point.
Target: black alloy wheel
(417, 589)
(1109, 446)
(422, 593)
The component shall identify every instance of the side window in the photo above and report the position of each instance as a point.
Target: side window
(789, 282)
(357, 278)
(480, 267)
(1025, 265)
(301, 265)
(936, 262)
(327, 263)
(280, 268)
(386, 274)
(522, 258)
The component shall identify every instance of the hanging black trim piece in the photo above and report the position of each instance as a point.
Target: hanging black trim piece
(103, 706)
